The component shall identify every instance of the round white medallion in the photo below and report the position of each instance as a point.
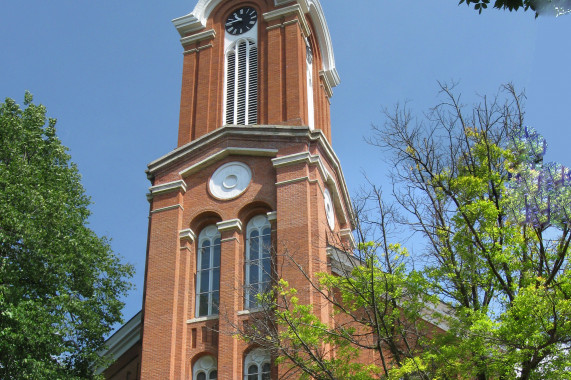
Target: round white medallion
(230, 180)
(329, 210)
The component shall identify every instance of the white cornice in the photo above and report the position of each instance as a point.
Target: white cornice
(187, 234)
(225, 153)
(122, 340)
(229, 225)
(282, 2)
(342, 263)
(202, 36)
(292, 9)
(314, 159)
(272, 216)
(348, 234)
(179, 185)
(259, 133)
(196, 21)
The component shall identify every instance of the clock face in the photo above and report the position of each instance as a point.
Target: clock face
(241, 20)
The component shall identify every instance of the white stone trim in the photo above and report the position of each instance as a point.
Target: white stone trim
(295, 180)
(202, 36)
(260, 132)
(258, 152)
(168, 208)
(196, 20)
(341, 262)
(306, 157)
(292, 9)
(251, 311)
(230, 180)
(187, 234)
(272, 216)
(313, 7)
(122, 340)
(314, 159)
(203, 319)
(282, 2)
(348, 234)
(191, 51)
(179, 185)
(229, 225)
(326, 84)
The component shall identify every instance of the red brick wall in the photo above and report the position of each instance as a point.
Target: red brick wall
(282, 92)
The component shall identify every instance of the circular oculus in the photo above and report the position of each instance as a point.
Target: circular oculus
(230, 180)
(329, 210)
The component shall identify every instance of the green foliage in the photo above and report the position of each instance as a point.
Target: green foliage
(511, 5)
(498, 227)
(60, 284)
(489, 296)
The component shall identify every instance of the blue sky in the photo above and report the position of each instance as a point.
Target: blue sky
(110, 72)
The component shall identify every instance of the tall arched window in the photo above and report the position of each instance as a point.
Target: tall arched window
(257, 365)
(309, 75)
(208, 272)
(205, 368)
(242, 82)
(258, 259)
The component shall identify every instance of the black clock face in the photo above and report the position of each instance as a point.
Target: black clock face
(241, 20)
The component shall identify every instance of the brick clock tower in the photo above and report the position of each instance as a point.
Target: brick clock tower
(254, 173)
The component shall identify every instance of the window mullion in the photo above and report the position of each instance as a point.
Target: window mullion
(236, 74)
(247, 84)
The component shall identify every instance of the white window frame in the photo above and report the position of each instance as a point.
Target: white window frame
(231, 44)
(260, 224)
(258, 357)
(206, 364)
(212, 235)
(309, 76)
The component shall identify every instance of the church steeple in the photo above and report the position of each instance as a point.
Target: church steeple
(254, 171)
(278, 69)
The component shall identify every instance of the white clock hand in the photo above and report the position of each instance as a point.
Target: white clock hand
(233, 21)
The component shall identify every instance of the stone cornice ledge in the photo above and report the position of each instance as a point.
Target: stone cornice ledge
(230, 225)
(315, 159)
(292, 9)
(188, 235)
(348, 234)
(282, 2)
(262, 132)
(258, 152)
(122, 340)
(202, 36)
(234, 130)
(179, 185)
(272, 216)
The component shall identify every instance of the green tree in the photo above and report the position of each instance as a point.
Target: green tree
(497, 223)
(383, 315)
(60, 284)
(541, 7)
(488, 296)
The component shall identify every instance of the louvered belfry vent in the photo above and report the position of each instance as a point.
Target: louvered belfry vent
(242, 83)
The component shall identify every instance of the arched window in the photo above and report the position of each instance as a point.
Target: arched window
(258, 259)
(309, 75)
(205, 368)
(241, 103)
(208, 272)
(257, 365)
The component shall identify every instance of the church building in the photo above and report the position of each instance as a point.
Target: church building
(254, 173)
